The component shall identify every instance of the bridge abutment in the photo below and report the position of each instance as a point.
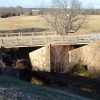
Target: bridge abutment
(51, 58)
(58, 58)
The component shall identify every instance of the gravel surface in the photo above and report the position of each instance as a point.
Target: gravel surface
(13, 93)
(14, 89)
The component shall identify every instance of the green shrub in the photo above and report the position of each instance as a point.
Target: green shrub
(79, 68)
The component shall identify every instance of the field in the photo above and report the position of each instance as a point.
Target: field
(92, 23)
(19, 22)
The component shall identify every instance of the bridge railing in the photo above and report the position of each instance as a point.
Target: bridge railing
(82, 38)
(27, 34)
(42, 40)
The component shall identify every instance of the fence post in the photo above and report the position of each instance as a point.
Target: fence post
(44, 33)
(55, 33)
(19, 34)
(16, 41)
(6, 34)
(90, 37)
(97, 36)
(32, 33)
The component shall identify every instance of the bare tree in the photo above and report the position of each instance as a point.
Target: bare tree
(66, 16)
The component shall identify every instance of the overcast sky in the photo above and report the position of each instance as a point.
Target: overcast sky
(39, 3)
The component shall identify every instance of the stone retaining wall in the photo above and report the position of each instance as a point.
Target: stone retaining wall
(88, 55)
(61, 58)
(39, 59)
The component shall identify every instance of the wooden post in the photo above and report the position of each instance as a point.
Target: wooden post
(44, 33)
(32, 33)
(97, 36)
(90, 38)
(55, 33)
(48, 40)
(6, 34)
(16, 41)
(19, 34)
(77, 39)
(32, 41)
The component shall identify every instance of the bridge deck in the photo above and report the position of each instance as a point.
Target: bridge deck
(42, 40)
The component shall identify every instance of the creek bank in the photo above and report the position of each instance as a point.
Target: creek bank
(21, 69)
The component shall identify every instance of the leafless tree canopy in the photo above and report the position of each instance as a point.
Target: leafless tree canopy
(66, 16)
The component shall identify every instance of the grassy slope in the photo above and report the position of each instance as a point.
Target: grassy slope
(42, 93)
(18, 22)
(92, 23)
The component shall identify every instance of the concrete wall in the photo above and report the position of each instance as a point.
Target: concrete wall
(39, 59)
(88, 55)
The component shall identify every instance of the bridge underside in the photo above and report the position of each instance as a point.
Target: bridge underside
(52, 58)
(61, 58)
(19, 52)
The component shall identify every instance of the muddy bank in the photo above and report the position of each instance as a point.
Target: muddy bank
(22, 69)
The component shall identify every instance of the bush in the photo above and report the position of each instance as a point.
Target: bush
(79, 68)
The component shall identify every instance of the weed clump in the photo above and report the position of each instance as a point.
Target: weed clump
(79, 68)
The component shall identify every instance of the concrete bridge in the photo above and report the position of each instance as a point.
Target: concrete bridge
(12, 40)
(57, 51)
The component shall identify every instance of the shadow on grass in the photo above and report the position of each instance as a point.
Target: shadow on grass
(79, 85)
(26, 30)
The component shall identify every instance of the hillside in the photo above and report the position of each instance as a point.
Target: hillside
(13, 89)
(92, 23)
(20, 22)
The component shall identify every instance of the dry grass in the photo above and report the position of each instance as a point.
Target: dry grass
(92, 23)
(22, 22)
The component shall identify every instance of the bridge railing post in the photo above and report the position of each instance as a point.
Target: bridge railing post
(44, 33)
(97, 37)
(6, 34)
(16, 41)
(19, 34)
(47, 40)
(90, 37)
(55, 33)
(76, 38)
(32, 33)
